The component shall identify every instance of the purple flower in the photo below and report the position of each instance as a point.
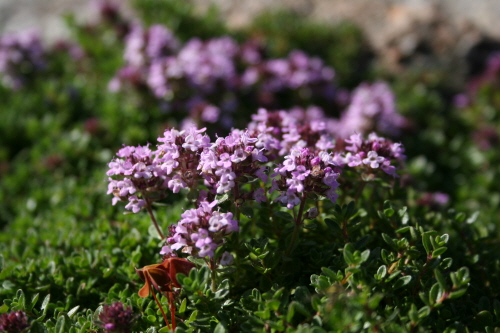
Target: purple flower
(375, 152)
(200, 231)
(372, 108)
(373, 159)
(116, 318)
(226, 259)
(13, 322)
(21, 55)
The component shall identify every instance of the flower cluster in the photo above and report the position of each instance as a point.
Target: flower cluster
(304, 173)
(198, 75)
(307, 159)
(140, 174)
(116, 318)
(200, 231)
(13, 322)
(434, 200)
(142, 48)
(372, 108)
(298, 72)
(282, 130)
(234, 158)
(20, 55)
(369, 155)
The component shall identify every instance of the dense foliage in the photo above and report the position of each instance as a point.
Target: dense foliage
(291, 186)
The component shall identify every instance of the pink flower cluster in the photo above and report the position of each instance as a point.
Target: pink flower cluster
(293, 150)
(231, 159)
(218, 72)
(295, 145)
(304, 173)
(372, 108)
(139, 170)
(20, 55)
(368, 155)
(200, 231)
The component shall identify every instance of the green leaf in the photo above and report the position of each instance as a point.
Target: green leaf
(389, 241)
(302, 295)
(192, 317)
(291, 312)
(316, 303)
(389, 212)
(381, 272)
(460, 217)
(413, 314)
(484, 318)
(348, 254)
(62, 324)
(374, 301)
(403, 230)
(457, 294)
(34, 299)
(496, 307)
(424, 312)
(350, 210)
(73, 311)
(443, 239)
(426, 241)
(425, 298)
(328, 272)
(402, 281)
(334, 226)
(220, 328)
(473, 218)
(435, 293)
(440, 279)
(439, 251)
(183, 306)
(364, 255)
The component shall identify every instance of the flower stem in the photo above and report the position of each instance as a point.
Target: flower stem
(152, 216)
(298, 224)
(213, 275)
(360, 190)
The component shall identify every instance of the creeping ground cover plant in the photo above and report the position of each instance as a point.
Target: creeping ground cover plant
(160, 172)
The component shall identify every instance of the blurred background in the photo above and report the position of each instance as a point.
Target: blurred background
(444, 33)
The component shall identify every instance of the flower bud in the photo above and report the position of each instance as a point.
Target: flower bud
(312, 213)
